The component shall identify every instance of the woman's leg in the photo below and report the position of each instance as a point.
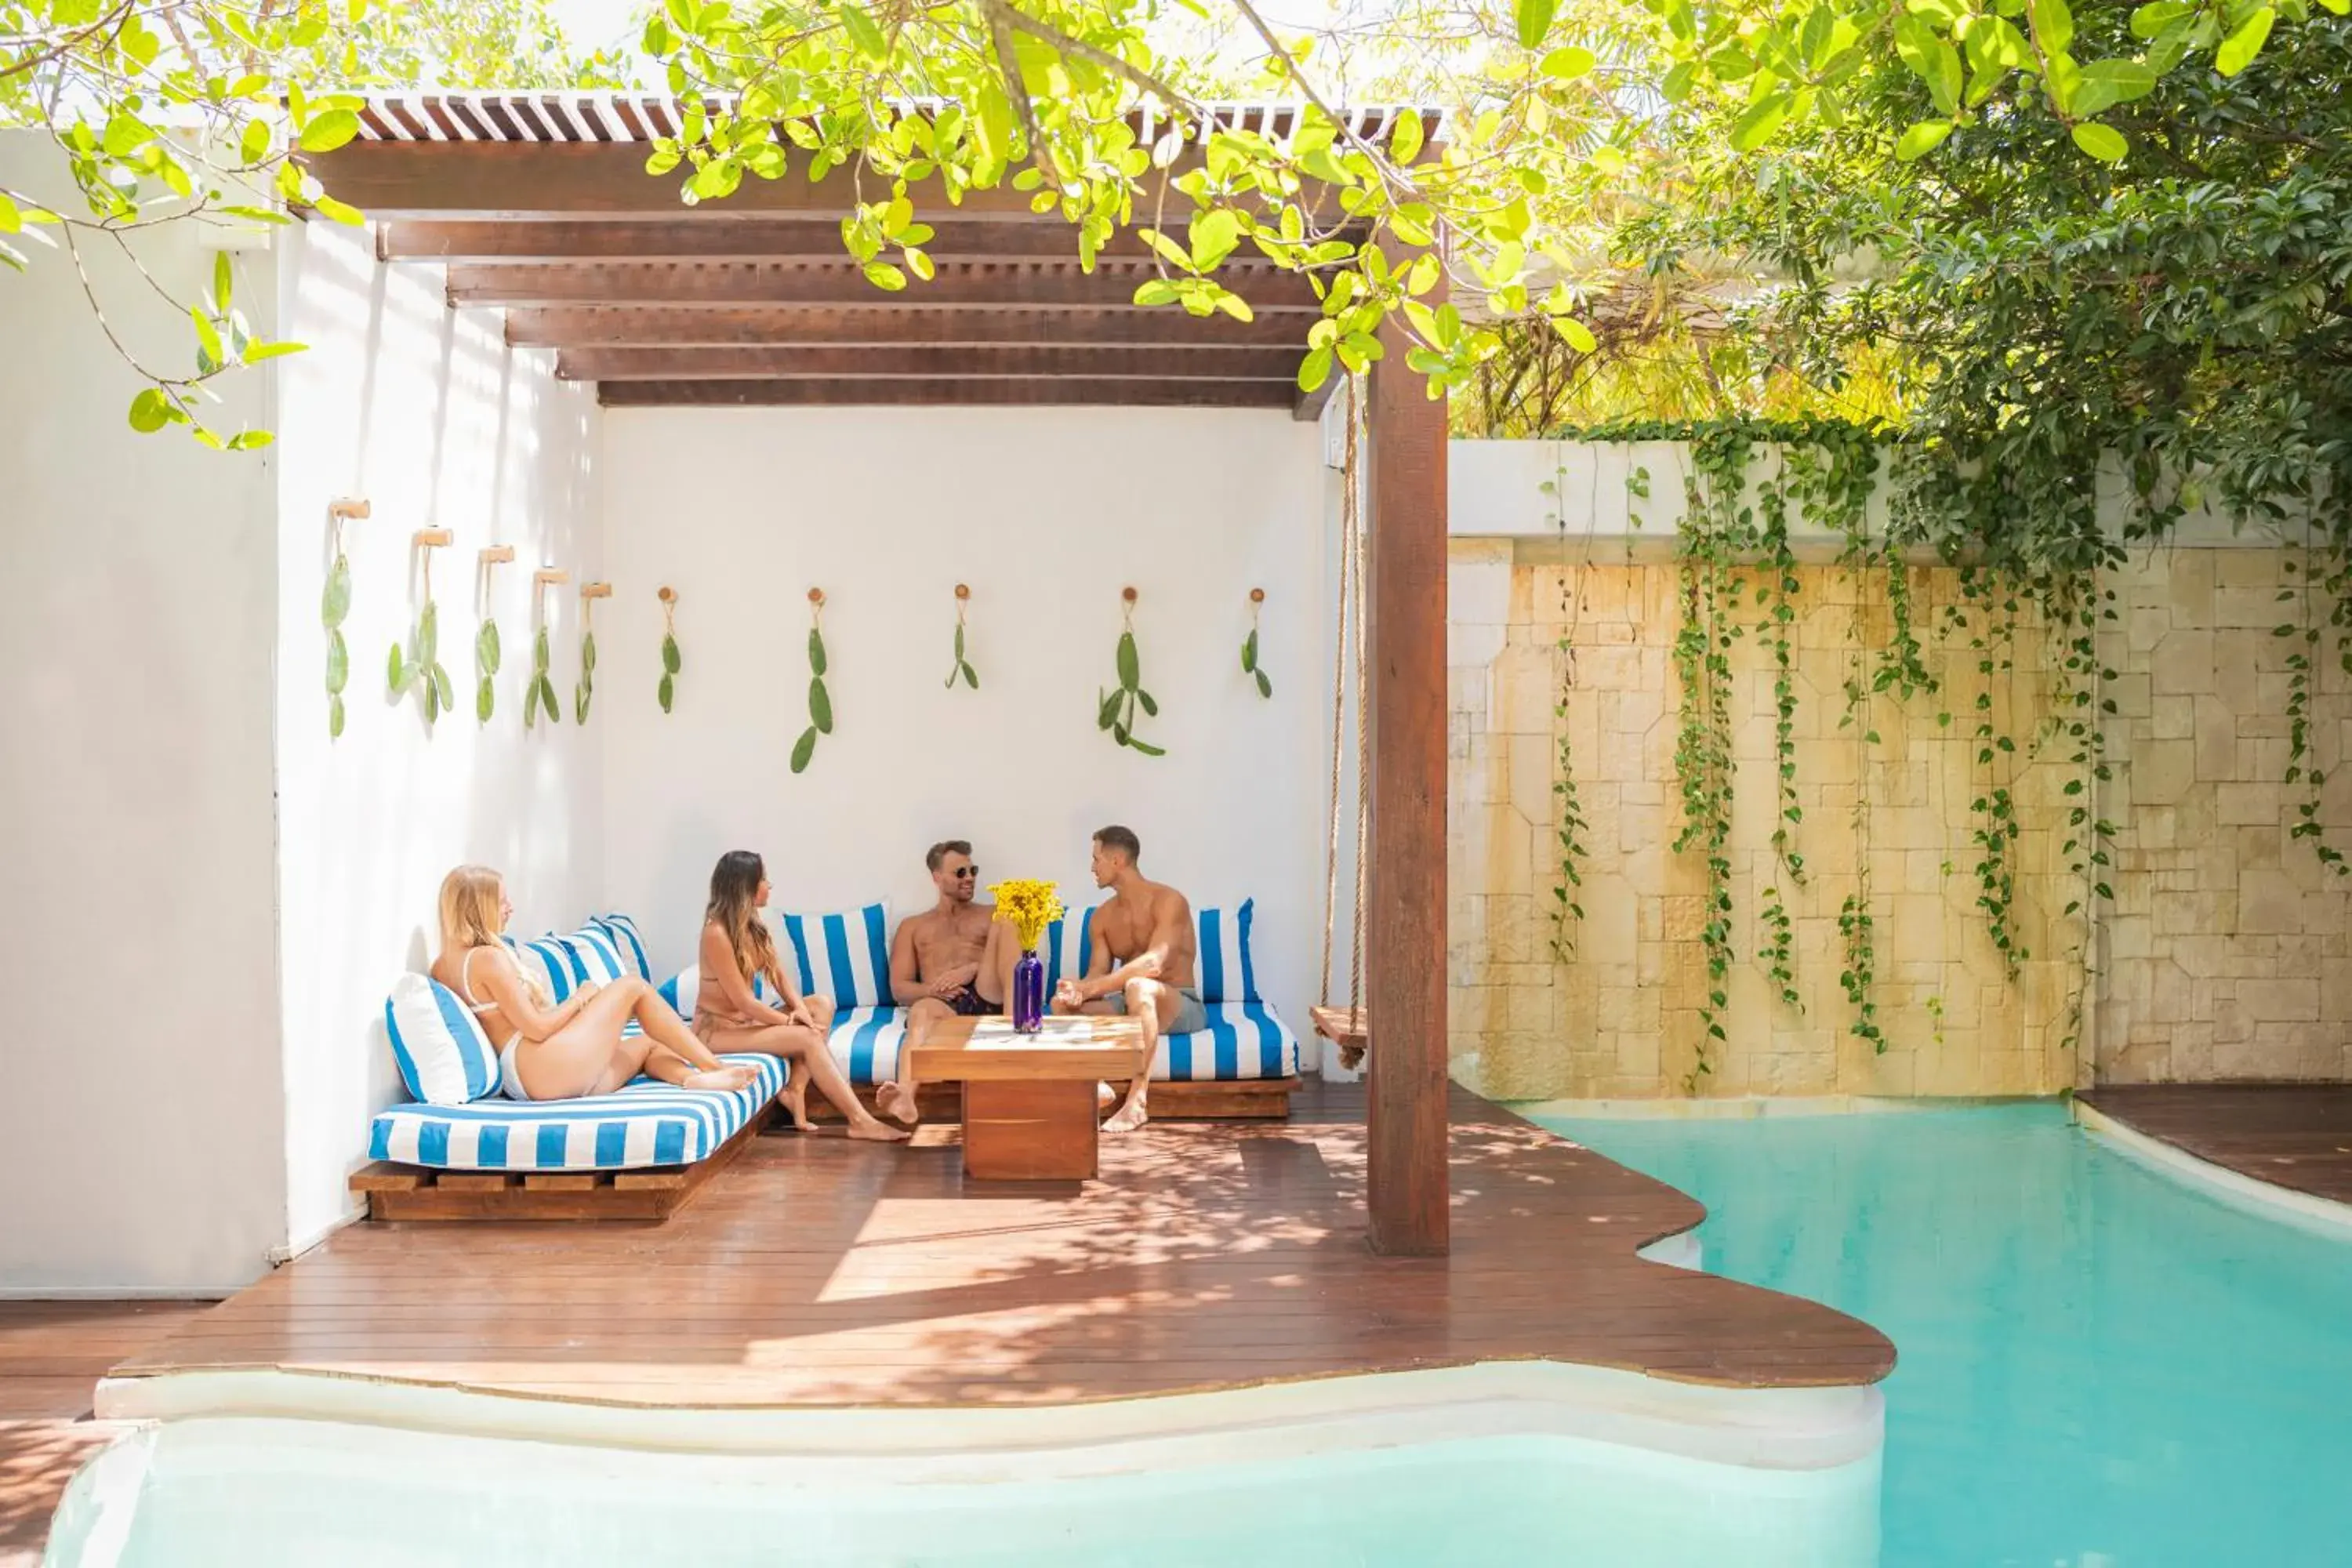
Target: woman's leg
(897, 1097)
(811, 1063)
(579, 1057)
(664, 1027)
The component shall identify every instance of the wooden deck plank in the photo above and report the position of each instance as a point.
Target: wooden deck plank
(817, 1271)
(2292, 1135)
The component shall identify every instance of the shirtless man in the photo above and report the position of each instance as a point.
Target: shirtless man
(937, 963)
(1141, 963)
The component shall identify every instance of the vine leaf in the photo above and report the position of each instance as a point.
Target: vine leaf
(1151, 708)
(336, 602)
(1249, 654)
(484, 700)
(1146, 747)
(334, 718)
(820, 707)
(443, 694)
(1130, 667)
(804, 749)
(339, 664)
(429, 633)
(972, 677)
(395, 669)
(816, 651)
(1265, 687)
(671, 663)
(666, 689)
(1108, 705)
(547, 700)
(485, 647)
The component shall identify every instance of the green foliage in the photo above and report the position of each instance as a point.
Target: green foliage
(819, 701)
(539, 694)
(420, 669)
(487, 654)
(585, 690)
(1250, 665)
(1567, 908)
(1116, 710)
(334, 603)
(961, 670)
(667, 690)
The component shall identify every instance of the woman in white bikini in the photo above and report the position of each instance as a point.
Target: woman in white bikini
(559, 1052)
(736, 947)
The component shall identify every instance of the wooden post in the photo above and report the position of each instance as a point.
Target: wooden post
(1404, 622)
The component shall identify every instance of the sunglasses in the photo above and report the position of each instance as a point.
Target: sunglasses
(963, 871)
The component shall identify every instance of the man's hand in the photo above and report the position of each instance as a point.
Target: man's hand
(945, 989)
(1068, 993)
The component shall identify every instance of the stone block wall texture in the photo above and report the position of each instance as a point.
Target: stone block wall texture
(2221, 954)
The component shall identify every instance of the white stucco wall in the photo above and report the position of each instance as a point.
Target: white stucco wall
(1047, 513)
(425, 413)
(139, 1071)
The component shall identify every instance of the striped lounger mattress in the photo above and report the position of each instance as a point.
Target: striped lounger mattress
(645, 1124)
(1243, 1040)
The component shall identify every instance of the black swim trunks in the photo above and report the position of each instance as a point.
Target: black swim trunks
(970, 1004)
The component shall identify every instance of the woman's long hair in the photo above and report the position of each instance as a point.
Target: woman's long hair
(735, 908)
(469, 919)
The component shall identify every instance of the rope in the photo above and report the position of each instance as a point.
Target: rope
(1355, 528)
(1339, 697)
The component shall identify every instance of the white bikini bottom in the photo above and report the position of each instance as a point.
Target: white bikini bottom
(509, 1076)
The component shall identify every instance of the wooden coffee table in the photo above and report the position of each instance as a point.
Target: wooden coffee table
(1029, 1110)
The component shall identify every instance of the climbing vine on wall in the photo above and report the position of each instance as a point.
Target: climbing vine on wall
(334, 603)
(1716, 529)
(420, 669)
(963, 670)
(820, 700)
(1116, 710)
(539, 696)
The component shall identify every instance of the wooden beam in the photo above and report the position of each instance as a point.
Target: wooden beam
(877, 325)
(850, 392)
(1033, 287)
(1404, 620)
(700, 238)
(928, 363)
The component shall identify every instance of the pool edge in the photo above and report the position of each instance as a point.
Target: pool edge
(2248, 1194)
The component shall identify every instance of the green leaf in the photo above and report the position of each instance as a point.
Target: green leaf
(429, 633)
(1146, 747)
(884, 276)
(820, 707)
(580, 695)
(972, 677)
(1922, 139)
(803, 750)
(666, 689)
(2238, 49)
(432, 699)
(1580, 336)
(334, 718)
(486, 700)
(2106, 83)
(547, 700)
(816, 651)
(863, 32)
(223, 281)
(335, 602)
(1155, 291)
(442, 689)
(1405, 140)
(1130, 668)
(2053, 24)
(488, 652)
(1763, 118)
(588, 652)
(2104, 142)
(1569, 62)
(150, 411)
(529, 704)
(1315, 369)
(1107, 712)
(1151, 708)
(539, 652)
(671, 663)
(1533, 18)
(1265, 687)
(339, 664)
(959, 644)
(396, 671)
(327, 131)
(1249, 652)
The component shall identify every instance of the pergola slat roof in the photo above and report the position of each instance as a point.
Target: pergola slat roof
(538, 203)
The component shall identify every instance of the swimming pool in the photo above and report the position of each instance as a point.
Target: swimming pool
(2099, 1368)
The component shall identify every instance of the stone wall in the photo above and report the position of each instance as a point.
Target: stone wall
(2214, 957)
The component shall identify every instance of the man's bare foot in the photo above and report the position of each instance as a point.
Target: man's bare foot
(872, 1132)
(1129, 1117)
(1105, 1097)
(794, 1100)
(726, 1079)
(897, 1100)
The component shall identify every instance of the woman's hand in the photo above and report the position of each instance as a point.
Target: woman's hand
(588, 988)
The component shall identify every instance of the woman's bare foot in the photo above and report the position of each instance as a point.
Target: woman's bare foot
(872, 1132)
(726, 1079)
(794, 1100)
(1130, 1116)
(897, 1100)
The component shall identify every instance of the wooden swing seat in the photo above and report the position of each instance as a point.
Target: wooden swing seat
(1347, 1027)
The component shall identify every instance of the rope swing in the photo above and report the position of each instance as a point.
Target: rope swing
(1348, 1027)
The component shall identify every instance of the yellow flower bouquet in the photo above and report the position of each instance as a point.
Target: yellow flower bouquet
(1029, 905)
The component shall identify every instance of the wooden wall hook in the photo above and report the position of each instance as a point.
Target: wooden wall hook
(1258, 596)
(1129, 595)
(497, 554)
(343, 507)
(547, 575)
(816, 597)
(963, 590)
(595, 590)
(667, 594)
(429, 538)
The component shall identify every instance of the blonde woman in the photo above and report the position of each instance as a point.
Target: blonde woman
(574, 1049)
(736, 951)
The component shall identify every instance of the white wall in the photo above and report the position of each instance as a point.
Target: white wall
(429, 416)
(139, 1113)
(1047, 513)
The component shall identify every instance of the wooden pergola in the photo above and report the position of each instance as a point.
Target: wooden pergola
(539, 204)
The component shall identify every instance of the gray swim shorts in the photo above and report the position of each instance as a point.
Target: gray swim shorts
(1190, 1013)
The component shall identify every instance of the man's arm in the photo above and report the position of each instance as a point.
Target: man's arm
(905, 988)
(1168, 917)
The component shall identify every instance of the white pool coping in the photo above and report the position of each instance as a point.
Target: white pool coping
(2249, 1194)
(1768, 1429)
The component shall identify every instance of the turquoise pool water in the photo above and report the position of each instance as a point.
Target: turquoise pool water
(2099, 1368)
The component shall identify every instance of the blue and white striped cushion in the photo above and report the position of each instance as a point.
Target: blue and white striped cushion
(604, 959)
(684, 989)
(443, 1057)
(1243, 1040)
(553, 965)
(646, 1123)
(865, 1042)
(1069, 944)
(1227, 971)
(846, 956)
(623, 933)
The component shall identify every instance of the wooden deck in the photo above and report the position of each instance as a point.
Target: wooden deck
(2292, 1135)
(51, 1354)
(820, 1272)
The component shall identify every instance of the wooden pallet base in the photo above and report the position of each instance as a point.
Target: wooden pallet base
(1242, 1100)
(396, 1192)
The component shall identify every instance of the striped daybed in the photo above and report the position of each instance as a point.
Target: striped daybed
(637, 1153)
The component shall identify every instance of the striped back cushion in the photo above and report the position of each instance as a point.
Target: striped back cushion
(1069, 944)
(444, 1058)
(621, 932)
(682, 990)
(561, 964)
(844, 956)
(1227, 971)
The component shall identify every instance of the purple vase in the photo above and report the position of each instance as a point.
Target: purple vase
(1028, 994)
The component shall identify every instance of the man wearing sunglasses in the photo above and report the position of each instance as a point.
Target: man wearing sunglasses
(939, 964)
